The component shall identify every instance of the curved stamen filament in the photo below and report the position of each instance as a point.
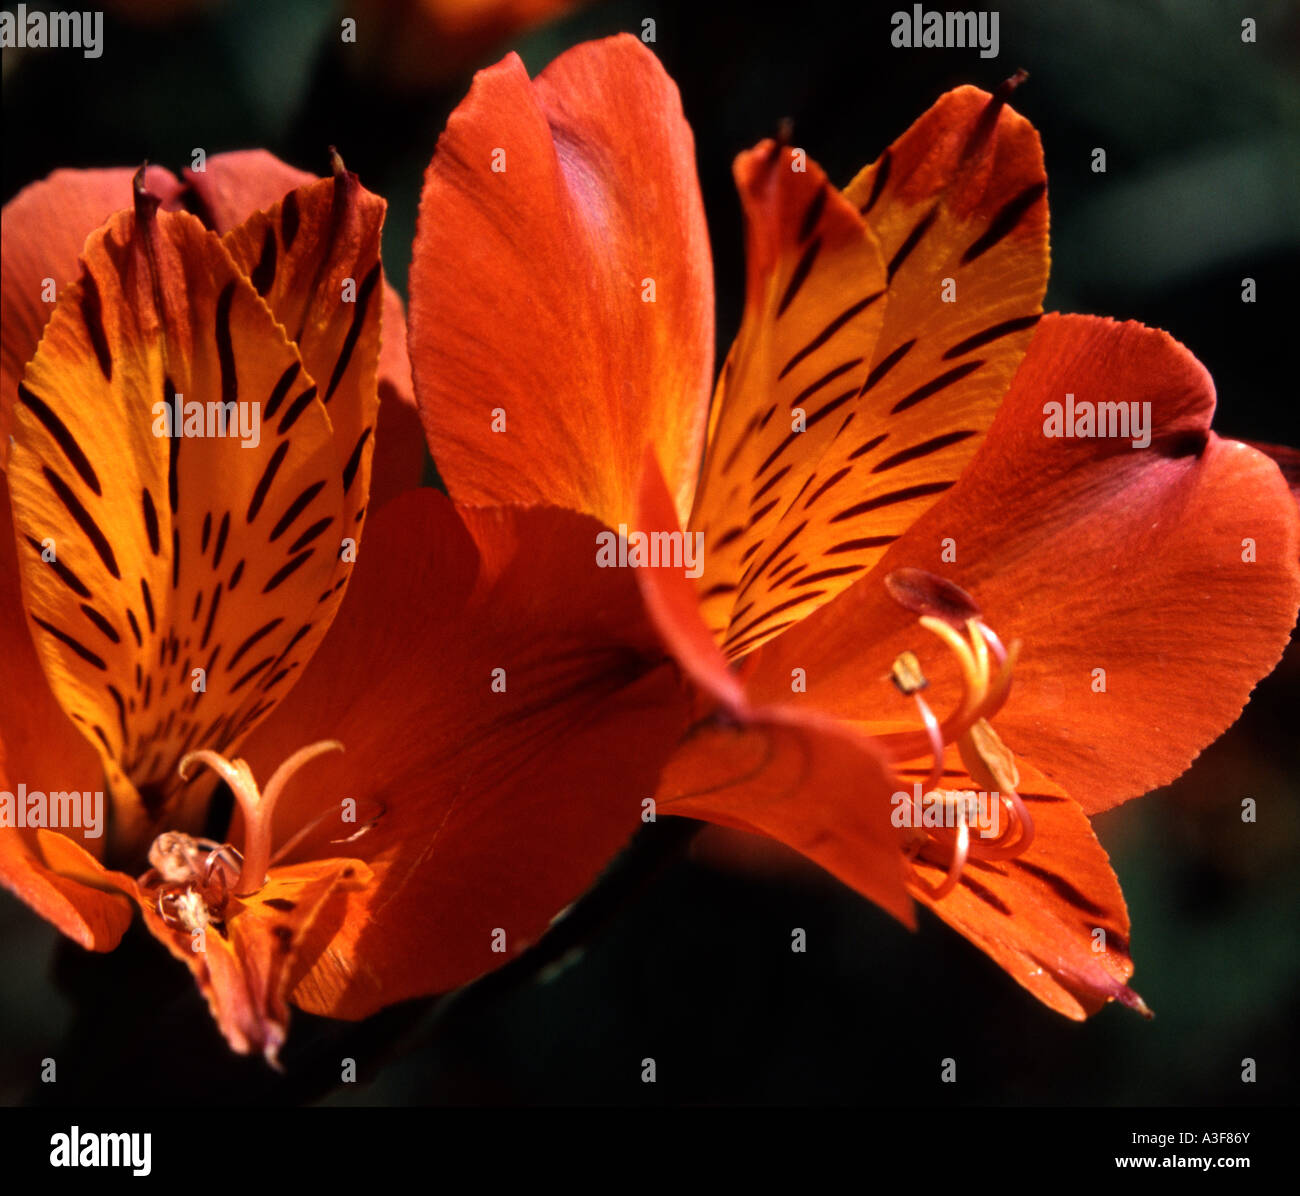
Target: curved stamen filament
(987, 759)
(257, 806)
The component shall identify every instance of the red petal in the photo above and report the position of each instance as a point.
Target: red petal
(527, 286)
(496, 809)
(801, 779)
(1039, 915)
(1097, 556)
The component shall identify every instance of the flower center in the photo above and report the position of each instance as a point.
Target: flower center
(191, 880)
(1004, 824)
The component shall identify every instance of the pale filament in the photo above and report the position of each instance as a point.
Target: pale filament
(257, 805)
(987, 760)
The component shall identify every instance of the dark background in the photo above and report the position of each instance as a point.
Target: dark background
(1202, 138)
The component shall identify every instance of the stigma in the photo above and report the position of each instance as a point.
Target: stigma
(997, 813)
(192, 880)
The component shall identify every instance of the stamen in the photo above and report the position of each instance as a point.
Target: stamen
(946, 611)
(257, 807)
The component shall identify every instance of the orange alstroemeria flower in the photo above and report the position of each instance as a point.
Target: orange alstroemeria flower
(876, 482)
(169, 597)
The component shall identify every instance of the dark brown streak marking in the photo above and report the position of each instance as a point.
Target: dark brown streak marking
(904, 251)
(878, 183)
(917, 451)
(61, 571)
(1063, 888)
(225, 347)
(148, 604)
(135, 627)
(206, 534)
(121, 710)
(354, 331)
(198, 606)
(1004, 223)
(799, 276)
(92, 311)
(64, 438)
(817, 416)
(246, 677)
(838, 476)
(263, 274)
(776, 610)
(102, 623)
(84, 520)
(222, 532)
(295, 509)
(812, 217)
(289, 219)
(863, 449)
(829, 331)
(885, 364)
(260, 634)
(236, 574)
(264, 483)
(722, 541)
(986, 895)
(354, 461)
(828, 377)
(933, 387)
(860, 544)
(311, 533)
(772, 481)
(212, 614)
(280, 390)
(890, 499)
(299, 405)
(776, 552)
(173, 447)
(723, 587)
(286, 570)
(740, 645)
(75, 644)
(283, 904)
(827, 574)
(765, 509)
(990, 334)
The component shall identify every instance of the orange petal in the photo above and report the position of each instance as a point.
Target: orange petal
(801, 779)
(314, 257)
(173, 553)
(1054, 916)
(1097, 556)
(42, 231)
(247, 963)
(232, 188)
(552, 213)
(478, 808)
(891, 319)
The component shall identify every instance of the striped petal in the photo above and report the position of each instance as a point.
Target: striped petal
(1151, 588)
(235, 187)
(42, 230)
(146, 555)
(891, 318)
(1053, 917)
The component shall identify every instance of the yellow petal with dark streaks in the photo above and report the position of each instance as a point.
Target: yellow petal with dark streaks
(956, 215)
(314, 258)
(146, 556)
